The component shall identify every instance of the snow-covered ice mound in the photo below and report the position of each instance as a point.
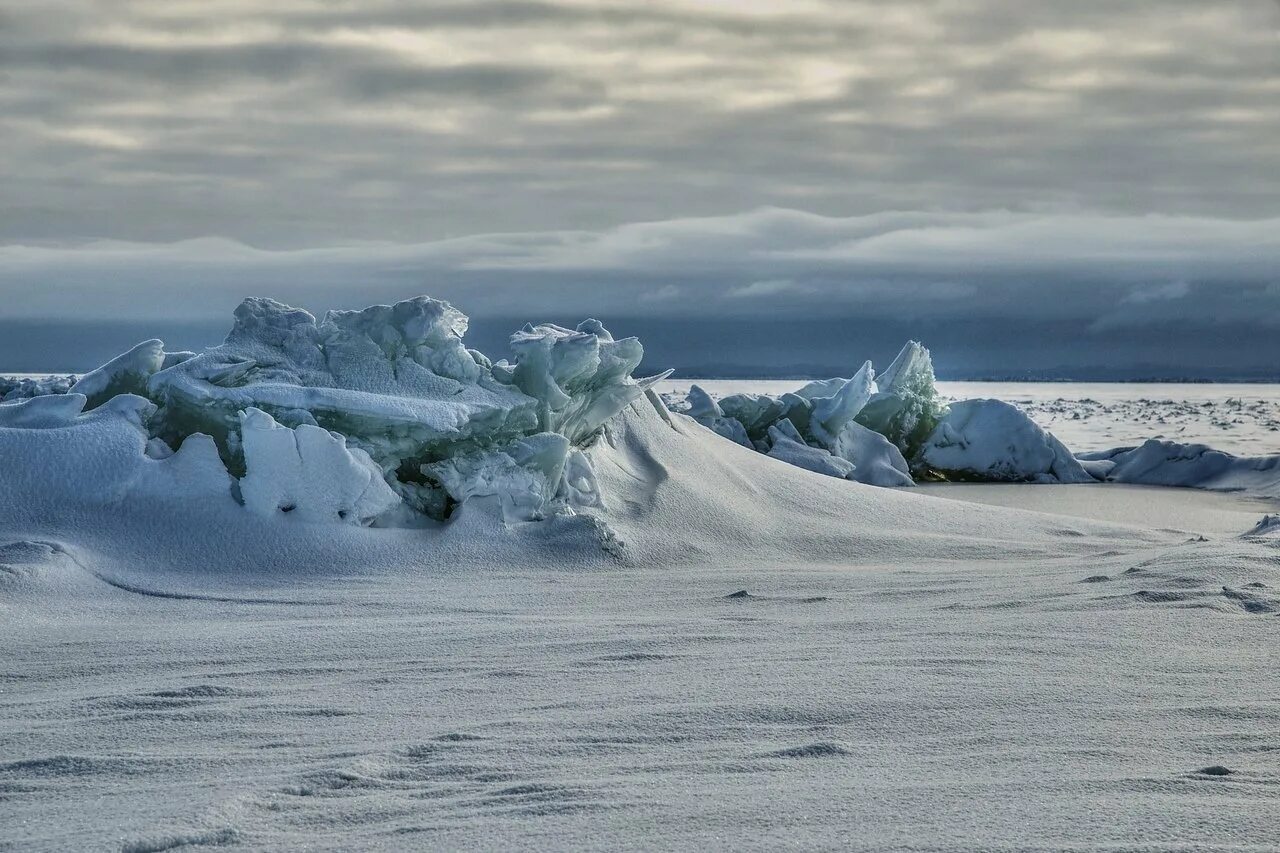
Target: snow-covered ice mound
(409, 448)
(992, 440)
(855, 428)
(1168, 463)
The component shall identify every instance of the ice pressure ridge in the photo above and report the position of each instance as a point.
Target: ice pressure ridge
(384, 417)
(381, 414)
(888, 429)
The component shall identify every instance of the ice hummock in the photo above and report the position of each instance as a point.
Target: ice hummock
(364, 416)
(24, 387)
(992, 440)
(863, 428)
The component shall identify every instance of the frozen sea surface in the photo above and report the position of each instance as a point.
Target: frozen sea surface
(1050, 704)
(1243, 419)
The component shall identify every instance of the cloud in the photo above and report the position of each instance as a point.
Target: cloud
(767, 289)
(1158, 293)
(768, 262)
(301, 123)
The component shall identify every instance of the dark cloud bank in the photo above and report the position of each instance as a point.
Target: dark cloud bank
(771, 292)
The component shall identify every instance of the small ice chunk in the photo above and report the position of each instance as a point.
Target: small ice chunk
(803, 456)
(830, 414)
(701, 406)
(877, 461)
(525, 475)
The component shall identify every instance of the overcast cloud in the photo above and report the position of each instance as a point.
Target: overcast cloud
(1090, 166)
(308, 122)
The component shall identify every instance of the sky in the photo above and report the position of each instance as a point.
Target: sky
(1026, 185)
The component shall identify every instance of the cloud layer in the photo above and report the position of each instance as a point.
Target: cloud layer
(1016, 288)
(302, 122)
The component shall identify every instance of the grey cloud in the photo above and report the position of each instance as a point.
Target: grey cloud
(296, 124)
(769, 261)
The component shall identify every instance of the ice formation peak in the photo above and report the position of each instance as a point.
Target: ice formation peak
(862, 428)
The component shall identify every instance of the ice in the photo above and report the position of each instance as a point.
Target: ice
(525, 475)
(308, 473)
(789, 447)
(580, 377)
(706, 411)
(907, 407)
(993, 440)
(877, 461)
(395, 380)
(22, 387)
(367, 414)
(855, 420)
(831, 414)
(127, 373)
(1168, 463)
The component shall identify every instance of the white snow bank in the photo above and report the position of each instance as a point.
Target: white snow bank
(1167, 463)
(56, 456)
(993, 440)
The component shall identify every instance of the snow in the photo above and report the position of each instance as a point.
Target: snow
(346, 584)
(1167, 463)
(992, 440)
(308, 474)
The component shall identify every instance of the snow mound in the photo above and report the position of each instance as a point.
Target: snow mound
(1168, 463)
(993, 440)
